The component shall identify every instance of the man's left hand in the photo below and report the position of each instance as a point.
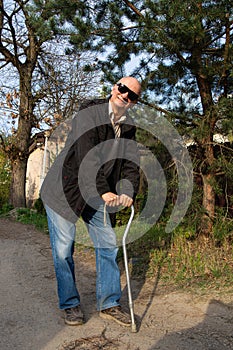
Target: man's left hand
(125, 200)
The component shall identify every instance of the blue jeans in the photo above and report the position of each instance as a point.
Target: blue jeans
(62, 238)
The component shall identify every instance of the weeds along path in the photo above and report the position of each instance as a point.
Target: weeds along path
(30, 319)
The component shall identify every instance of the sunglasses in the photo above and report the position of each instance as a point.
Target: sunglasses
(131, 95)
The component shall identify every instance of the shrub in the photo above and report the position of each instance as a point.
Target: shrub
(5, 179)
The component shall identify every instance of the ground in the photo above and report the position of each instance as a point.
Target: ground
(30, 318)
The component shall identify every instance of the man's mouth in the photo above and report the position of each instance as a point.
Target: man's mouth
(123, 100)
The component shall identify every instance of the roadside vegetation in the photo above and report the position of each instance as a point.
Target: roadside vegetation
(179, 261)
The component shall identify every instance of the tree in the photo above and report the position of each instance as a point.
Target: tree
(185, 60)
(27, 34)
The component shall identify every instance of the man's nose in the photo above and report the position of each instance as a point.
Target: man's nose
(125, 95)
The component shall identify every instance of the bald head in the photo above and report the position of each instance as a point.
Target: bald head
(124, 95)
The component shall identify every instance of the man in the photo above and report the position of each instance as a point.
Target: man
(84, 181)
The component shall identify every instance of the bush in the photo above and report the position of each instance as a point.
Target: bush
(28, 216)
(5, 208)
(5, 179)
(39, 207)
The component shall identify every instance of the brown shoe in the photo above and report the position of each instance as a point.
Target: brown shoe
(74, 316)
(116, 314)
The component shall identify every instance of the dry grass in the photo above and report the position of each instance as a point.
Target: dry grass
(194, 263)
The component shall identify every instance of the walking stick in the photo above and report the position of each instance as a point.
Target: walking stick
(133, 324)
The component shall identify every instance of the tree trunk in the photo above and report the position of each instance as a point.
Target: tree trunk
(208, 203)
(206, 143)
(208, 178)
(18, 179)
(20, 153)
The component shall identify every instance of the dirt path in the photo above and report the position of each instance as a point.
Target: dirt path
(30, 319)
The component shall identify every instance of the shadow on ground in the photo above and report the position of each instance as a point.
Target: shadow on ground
(214, 333)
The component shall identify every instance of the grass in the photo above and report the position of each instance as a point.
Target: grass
(178, 260)
(31, 217)
(183, 263)
(197, 263)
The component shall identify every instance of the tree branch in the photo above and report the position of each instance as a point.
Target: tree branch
(156, 107)
(129, 4)
(4, 51)
(135, 10)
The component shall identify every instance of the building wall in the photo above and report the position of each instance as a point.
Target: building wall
(34, 173)
(42, 158)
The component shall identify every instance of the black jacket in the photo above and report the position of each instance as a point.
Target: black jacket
(92, 162)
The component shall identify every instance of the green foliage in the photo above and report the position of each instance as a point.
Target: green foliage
(36, 216)
(183, 51)
(39, 207)
(31, 217)
(170, 34)
(223, 227)
(5, 179)
(5, 209)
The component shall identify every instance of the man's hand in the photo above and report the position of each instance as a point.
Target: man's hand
(125, 200)
(113, 200)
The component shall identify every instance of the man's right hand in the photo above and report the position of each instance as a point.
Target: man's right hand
(111, 199)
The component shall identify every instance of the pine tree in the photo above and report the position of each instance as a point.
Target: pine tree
(185, 53)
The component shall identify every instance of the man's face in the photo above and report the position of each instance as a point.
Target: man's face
(126, 93)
